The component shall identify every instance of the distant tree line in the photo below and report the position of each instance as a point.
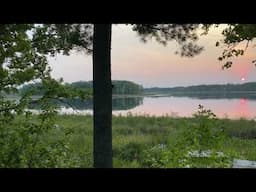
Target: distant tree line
(225, 88)
(119, 87)
(126, 87)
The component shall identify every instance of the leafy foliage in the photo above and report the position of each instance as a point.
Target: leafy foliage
(119, 87)
(184, 35)
(63, 38)
(126, 87)
(23, 50)
(206, 133)
(196, 146)
(234, 35)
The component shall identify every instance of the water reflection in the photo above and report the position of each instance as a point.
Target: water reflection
(126, 103)
(243, 108)
(186, 106)
(169, 105)
(120, 103)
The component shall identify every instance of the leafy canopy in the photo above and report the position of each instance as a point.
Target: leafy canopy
(234, 35)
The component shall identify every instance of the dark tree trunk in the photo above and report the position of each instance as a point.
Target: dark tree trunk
(102, 96)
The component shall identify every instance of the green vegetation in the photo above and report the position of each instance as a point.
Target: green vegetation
(235, 35)
(23, 58)
(119, 87)
(138, 141)
(126, 87)
(245, 87)
(246, 90)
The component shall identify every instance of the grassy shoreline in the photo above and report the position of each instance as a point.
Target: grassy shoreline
(134, 134)
(139, 141)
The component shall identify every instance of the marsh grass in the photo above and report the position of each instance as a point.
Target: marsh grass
(135, 140)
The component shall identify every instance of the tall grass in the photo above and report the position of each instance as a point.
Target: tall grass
(148, 141)
(133, 135)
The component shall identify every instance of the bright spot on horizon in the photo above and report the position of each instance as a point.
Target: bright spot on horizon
(242, 79)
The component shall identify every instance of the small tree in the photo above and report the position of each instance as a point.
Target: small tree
(23, 51)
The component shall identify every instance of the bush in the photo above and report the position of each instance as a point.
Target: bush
(196, 146)
(129, 152)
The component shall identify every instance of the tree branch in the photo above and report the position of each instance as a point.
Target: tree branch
(247, 45)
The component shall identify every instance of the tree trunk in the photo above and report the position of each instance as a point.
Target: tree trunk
(102, 96)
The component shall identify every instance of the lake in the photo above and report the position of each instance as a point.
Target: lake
(171, 105)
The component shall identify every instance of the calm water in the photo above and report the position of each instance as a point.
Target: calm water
(173, 106)
(185, 107)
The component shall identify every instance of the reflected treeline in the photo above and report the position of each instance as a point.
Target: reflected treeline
(126, 103)
(122, 103)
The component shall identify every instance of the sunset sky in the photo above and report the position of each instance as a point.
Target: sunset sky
(151, 64)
